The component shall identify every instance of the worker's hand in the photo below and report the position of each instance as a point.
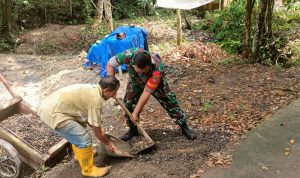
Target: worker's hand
(110, 147)
(135, 118)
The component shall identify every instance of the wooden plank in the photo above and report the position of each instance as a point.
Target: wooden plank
(10, 109)
(56, 148)
(57, 152)
(28, 154)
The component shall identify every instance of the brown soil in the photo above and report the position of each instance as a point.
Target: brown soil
(240, 97)
(139, 144)
(222, 101)
(173, 156)
(32, 131)
(51, 39)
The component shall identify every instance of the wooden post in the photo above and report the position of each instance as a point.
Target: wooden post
(179, 35)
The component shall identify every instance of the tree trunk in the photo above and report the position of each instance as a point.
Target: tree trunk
(99, 11)
(99, 14)
(108, 14)
(247, 31)
(187, 21)
(221, 4)
(71, 8)
(1, 15)
(179, 35)
(149, 8)
(259, 30)
(7, 16)
(270, 17)
(45, 13)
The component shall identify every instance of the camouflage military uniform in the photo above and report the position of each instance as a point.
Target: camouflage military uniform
(154, 81)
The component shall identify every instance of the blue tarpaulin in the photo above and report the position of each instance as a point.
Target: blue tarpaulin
(111, 45)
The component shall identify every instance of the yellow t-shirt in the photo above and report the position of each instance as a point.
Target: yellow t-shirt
(80, 102)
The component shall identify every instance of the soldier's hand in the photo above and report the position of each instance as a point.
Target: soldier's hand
(135, 118)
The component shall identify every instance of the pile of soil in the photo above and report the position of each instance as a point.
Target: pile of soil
(138, 144)
(51, 39)
(32, 131)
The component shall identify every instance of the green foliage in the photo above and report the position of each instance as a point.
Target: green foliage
(102, 31)
(127, 9)
(231, 60)
(228, 25)
(198, 26)
(285, 20)
(124, 9)
(231, 46)
(206, 105)
(132, 8)
(32, 13)
(164, 14)
(275, 54)
(271, 49)
(281, 49)
(45, 48)
(295, 50)
(143, 3)
(4, 45)
(292, 4)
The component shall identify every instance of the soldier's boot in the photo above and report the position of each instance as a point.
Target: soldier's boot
(187, 132)
(133, 131)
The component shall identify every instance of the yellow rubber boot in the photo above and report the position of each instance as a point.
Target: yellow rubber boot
(74, 150)
(86, 161)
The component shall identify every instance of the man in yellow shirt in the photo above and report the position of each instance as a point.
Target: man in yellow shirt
(69, 109)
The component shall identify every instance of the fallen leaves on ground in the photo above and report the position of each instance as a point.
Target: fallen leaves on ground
(232, 98)
(220, 159)
(292, 141)
(241, 96)
(287, 151)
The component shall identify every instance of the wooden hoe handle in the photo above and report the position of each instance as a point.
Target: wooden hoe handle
(141, 129)
(5, 83)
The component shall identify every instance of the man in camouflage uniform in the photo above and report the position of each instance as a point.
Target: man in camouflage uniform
(147, 77)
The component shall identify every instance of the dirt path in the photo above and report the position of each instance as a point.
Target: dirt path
(34, 77)
(250, 91)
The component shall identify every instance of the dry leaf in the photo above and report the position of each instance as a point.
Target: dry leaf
(264, 168)
(210, 164)
(286, 149)
(219, 162)
(200, 171)
(292, 141)
(286, 153)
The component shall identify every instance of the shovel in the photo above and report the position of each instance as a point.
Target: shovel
(150, 142)
(122, 147)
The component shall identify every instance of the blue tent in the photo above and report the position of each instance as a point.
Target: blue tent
(112, 44)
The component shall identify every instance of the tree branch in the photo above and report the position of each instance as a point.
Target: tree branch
(95, 6)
